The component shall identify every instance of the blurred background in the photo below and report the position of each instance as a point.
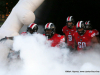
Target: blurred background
(56, 11)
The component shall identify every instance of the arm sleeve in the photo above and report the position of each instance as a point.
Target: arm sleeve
(62, 39)
(97, 32)
(92, 34)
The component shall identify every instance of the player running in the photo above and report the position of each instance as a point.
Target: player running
(68, 31)
(89, 27)
(84, 38)
(52, 36)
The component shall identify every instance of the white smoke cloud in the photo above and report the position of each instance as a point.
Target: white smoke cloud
(38, 58)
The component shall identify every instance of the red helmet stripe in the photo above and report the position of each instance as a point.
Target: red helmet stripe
(68, 18)
(86, 22)
(78, 25)
(47, 25)
(32, 25)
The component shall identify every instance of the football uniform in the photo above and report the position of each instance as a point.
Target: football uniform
(56, 39)
(96, 32)
(83, 40)
(69, 35)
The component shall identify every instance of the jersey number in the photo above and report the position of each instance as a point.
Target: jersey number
(70, 37)
(81, 44)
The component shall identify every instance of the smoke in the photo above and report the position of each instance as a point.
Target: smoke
(37, 57)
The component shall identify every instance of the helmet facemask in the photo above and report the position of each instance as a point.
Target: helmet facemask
(80, 31)
(70, 25)
(29, 30)
(49, 33)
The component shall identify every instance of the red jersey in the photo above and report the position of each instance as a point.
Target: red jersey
(69, 35)
(23, 33)
(83, 40)
(96, 32)
(56, 39)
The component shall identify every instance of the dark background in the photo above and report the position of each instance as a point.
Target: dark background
(56, 11)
